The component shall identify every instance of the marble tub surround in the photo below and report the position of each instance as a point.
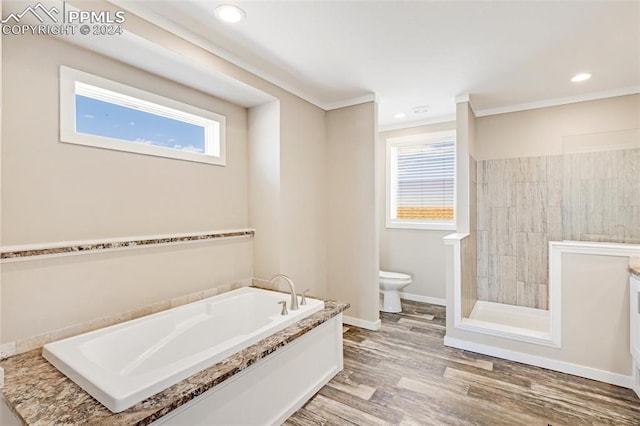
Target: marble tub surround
(14, 253)
(25, 345)
(40, 395)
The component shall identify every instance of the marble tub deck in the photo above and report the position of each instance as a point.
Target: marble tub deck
(635, 271)
(41, 395)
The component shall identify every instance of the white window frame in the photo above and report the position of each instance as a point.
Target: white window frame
(391, 166)
(74, 82)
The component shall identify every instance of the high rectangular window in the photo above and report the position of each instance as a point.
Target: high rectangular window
(98, 112)
(421, 181)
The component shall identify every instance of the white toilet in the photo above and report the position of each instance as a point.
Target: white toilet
(390, 285)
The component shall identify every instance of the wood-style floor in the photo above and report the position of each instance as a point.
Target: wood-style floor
(404, 375)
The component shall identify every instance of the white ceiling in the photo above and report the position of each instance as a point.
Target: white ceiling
(506, 55)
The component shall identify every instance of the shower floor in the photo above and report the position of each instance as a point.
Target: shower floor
(510, 319)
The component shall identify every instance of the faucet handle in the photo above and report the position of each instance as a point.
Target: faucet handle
(284, 307)
(303, 300)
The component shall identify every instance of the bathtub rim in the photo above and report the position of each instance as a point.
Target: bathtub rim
(117, 399)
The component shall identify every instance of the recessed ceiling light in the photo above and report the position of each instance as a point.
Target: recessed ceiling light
(399, 115)
(230, 13)
(581, 77)
(420, 110)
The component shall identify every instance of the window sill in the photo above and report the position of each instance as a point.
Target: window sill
(422, 226)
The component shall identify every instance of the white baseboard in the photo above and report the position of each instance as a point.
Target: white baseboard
(424, 299)
(369, 325)
(538, 361)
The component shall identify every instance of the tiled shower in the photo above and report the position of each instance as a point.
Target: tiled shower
(523, 203)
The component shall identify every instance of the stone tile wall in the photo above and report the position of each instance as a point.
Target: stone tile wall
(602, 196)
(469, 248)
(518, 212)
(523, 203)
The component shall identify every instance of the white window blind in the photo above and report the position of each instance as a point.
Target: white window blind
(421, 181)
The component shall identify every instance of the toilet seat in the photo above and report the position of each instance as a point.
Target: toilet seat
(394, 276)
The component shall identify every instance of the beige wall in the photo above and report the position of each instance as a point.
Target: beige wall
(287, 193)
(352, 234)
(303, 204)
(301, 251)
(101, 182)
(418, 252)
(54, 192)
(39, 296)
(541, 131)
(58, 192)
(264, 187)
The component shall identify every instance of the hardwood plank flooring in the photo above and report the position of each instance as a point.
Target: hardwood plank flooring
(403, 374)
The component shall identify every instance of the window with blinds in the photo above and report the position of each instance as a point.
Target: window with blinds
(421, 181)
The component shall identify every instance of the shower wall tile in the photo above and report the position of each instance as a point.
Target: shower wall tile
(483, 288)
(630, 177)
(502, 279)
(514, 222)
(531, 206)
(469, 275)
(601, 194)
(501, 238)
(523, 203)
(494, 284)
(554, 181)
(554, 223)
(543, 297)
(483, 254)
(522, 253)
(469, 248)
(481, 173)
(483, 210)
(537, 257)
(530, 169)
(631, 219)
(527, 295)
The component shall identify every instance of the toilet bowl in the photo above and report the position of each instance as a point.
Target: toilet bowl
(390, 285)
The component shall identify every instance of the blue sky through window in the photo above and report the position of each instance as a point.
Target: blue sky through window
(102, 118)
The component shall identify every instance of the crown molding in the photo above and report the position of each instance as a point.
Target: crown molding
(559, 101)
(465, 97)
(370, 97)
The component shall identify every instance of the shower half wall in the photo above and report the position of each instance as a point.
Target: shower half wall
(589, 193)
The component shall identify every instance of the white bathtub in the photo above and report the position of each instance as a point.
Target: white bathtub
(123, 364)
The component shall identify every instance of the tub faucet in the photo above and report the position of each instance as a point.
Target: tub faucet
(294, 296)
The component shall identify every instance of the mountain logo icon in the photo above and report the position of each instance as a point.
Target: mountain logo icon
(38, 11)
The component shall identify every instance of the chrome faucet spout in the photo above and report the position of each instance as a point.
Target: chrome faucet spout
(292, 289)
